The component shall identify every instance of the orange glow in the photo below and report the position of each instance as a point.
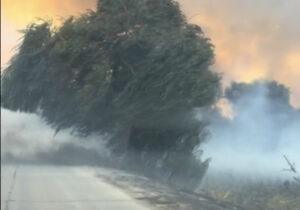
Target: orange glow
(16, 14)
(225, 108)
(20, 13)
(253, 39)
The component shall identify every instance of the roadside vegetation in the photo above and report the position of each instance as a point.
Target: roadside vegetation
(136, 71)
(132, 70)
(254, 194)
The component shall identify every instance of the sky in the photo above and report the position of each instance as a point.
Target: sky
(253, 39)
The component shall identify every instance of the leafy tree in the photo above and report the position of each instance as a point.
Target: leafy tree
(134, 69)
(263, 108)
(277, 94)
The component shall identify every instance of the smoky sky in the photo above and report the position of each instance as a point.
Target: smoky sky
(253, 39)
(254, 141)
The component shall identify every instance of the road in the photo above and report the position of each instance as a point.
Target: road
(60, 188)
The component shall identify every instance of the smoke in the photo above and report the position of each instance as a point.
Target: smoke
(26, 136)
(255, 139)
(253, 39)
(16, 15)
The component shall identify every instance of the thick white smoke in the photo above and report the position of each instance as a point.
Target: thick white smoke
(254, 141)
(24, 136)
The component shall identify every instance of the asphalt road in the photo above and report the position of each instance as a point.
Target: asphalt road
(60, 188)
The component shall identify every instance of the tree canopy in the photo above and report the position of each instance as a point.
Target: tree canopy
(132, 67)
(276, 96)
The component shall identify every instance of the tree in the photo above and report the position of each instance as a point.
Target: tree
(134, 69)
(277, 94)
(262, 111)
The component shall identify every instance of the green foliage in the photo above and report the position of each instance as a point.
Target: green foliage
(21, 81)
(131, 64)
(275, 92)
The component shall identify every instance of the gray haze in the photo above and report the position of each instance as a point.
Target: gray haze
(255, 140)
(253, 39)
(26, 136)
(252, 143)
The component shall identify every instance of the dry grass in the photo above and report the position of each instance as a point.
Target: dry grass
(255, 194)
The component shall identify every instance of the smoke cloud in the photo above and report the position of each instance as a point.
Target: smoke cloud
(27, 137)
(254, 141)
(253, 39)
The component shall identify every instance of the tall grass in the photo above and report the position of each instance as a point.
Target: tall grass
(255, 193)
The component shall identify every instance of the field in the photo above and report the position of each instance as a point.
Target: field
(254, 193)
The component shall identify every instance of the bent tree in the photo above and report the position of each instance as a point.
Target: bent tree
(134, 69)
